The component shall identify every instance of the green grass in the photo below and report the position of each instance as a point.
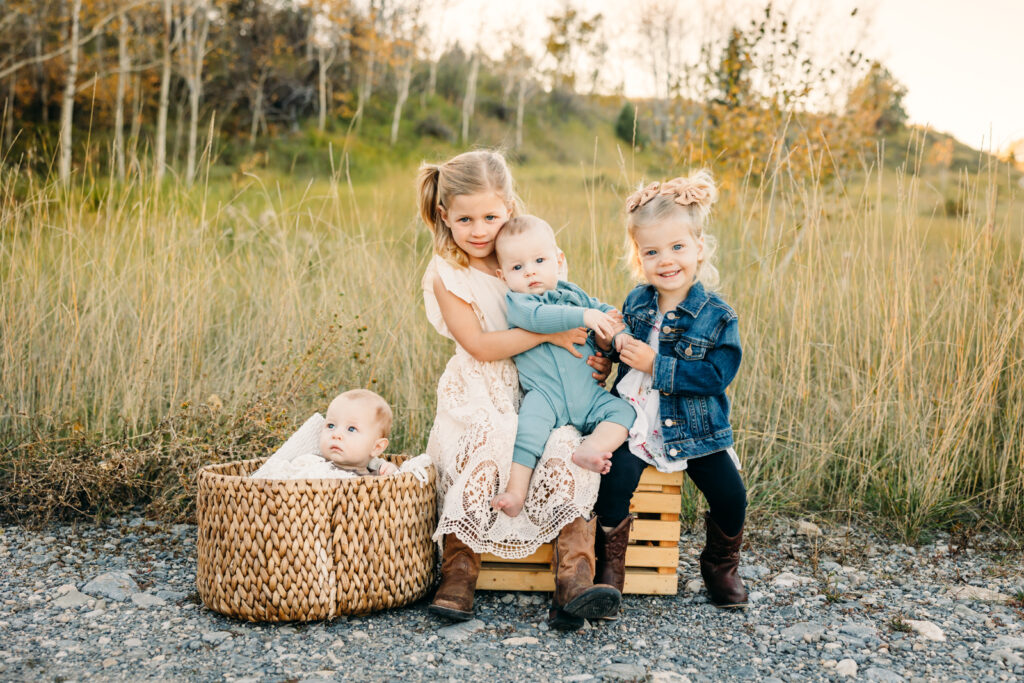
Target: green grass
(148, 332)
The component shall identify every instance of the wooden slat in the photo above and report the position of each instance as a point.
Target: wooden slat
(636, 556)
(653, 476)
(655, 502)
(655, 530)
(511, 577)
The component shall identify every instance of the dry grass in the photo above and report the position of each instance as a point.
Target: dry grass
(145, 334)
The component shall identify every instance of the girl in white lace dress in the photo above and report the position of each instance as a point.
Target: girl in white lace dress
(465, 202)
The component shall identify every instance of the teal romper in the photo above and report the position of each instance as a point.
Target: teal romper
(559, 387)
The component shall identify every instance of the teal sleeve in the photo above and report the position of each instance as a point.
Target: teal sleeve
(524, 311)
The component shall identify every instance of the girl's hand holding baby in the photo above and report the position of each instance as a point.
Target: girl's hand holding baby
(388, 468)
(568, 338)
(636, 354)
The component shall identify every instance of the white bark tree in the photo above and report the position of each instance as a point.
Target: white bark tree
(160, 151)
(195, 24)
(469, 100)
(407, 29)
(67, 104)
(123, 69)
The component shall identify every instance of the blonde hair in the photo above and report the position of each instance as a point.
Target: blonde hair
(468, 173)
(383, 416)
(687, 199)
(517, 225)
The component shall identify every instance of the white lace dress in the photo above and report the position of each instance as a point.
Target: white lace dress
(472, 437)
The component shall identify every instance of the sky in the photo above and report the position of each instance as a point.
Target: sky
(960, 60)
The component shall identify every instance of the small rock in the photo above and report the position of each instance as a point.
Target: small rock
(522, 640)
(753, 571)
(578, 678)
(132, 642)
(667, 677)
(215, 637)
(806, 631)
(808, 529)
(109, 662)
(877, 673)
(171, 596)
(1009, 656)
(622, 671)
(71, 598)
(977, 593)
(847, 668)
(859, 630)
(112, 585)
(460, 631)
(1010, 642)
(788, 580)
(147, 600)
(927, 630)
(694, 585)
(359, 635)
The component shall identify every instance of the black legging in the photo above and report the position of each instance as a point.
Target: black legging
(714, 475)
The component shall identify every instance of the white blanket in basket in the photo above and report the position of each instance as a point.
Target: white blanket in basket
(299, 458)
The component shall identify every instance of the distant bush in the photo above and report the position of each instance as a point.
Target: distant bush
(432, 127)
(496, 109)
(627, 128)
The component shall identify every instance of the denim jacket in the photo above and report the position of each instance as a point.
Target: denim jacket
(698, 356)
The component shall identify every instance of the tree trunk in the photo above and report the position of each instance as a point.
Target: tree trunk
(41, 79)
(365, 88)
(67, 104)
(122, 83)
(520, 110)
(197, 49)
(165, 91)
(325, 58)
(404, 79)
(257, 107)
(469, 101)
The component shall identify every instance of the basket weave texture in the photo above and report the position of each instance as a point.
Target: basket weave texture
(302, 550)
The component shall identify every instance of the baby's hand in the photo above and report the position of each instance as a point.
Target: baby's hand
(600, 322)
(388, 468)
(621, 340)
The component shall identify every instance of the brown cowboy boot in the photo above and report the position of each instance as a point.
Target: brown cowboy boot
(610, 551)
(459, 568)
(718, 564)
(575, 593)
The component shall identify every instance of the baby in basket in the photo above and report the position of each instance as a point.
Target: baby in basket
(353, 436)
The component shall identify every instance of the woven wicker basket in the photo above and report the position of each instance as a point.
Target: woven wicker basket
(312, 549)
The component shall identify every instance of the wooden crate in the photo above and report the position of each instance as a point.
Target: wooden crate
(651, 559)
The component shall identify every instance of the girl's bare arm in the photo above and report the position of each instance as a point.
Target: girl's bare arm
(487, 346)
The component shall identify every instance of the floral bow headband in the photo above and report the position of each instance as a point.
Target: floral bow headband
(686, 191)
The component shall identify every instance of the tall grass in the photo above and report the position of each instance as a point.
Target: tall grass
(143, 331)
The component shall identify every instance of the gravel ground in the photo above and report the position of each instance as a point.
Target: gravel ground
(118, 602)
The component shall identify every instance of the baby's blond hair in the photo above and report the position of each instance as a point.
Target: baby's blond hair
(383, 415)
(468, 173)
(518, 225)
(687, 199)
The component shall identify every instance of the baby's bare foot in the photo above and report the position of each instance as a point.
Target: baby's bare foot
(595, 461)
(509, 503)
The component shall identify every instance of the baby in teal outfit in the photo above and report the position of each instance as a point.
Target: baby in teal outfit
(559, 387)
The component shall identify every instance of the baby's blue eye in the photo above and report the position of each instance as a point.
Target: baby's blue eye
(540, 260)
(491, 217)
(650, 252)
(517, 267)
(329, 425)
(352, 429)
(677, 247)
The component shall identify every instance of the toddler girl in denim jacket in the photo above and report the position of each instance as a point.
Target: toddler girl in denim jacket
(679, 354)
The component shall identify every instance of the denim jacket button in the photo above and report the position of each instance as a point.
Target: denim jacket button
(671, 315)
(666, 329)
(669, 423)
(673, 452)
(650, 311)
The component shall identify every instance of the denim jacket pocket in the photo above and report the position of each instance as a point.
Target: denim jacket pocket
(689, 348)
